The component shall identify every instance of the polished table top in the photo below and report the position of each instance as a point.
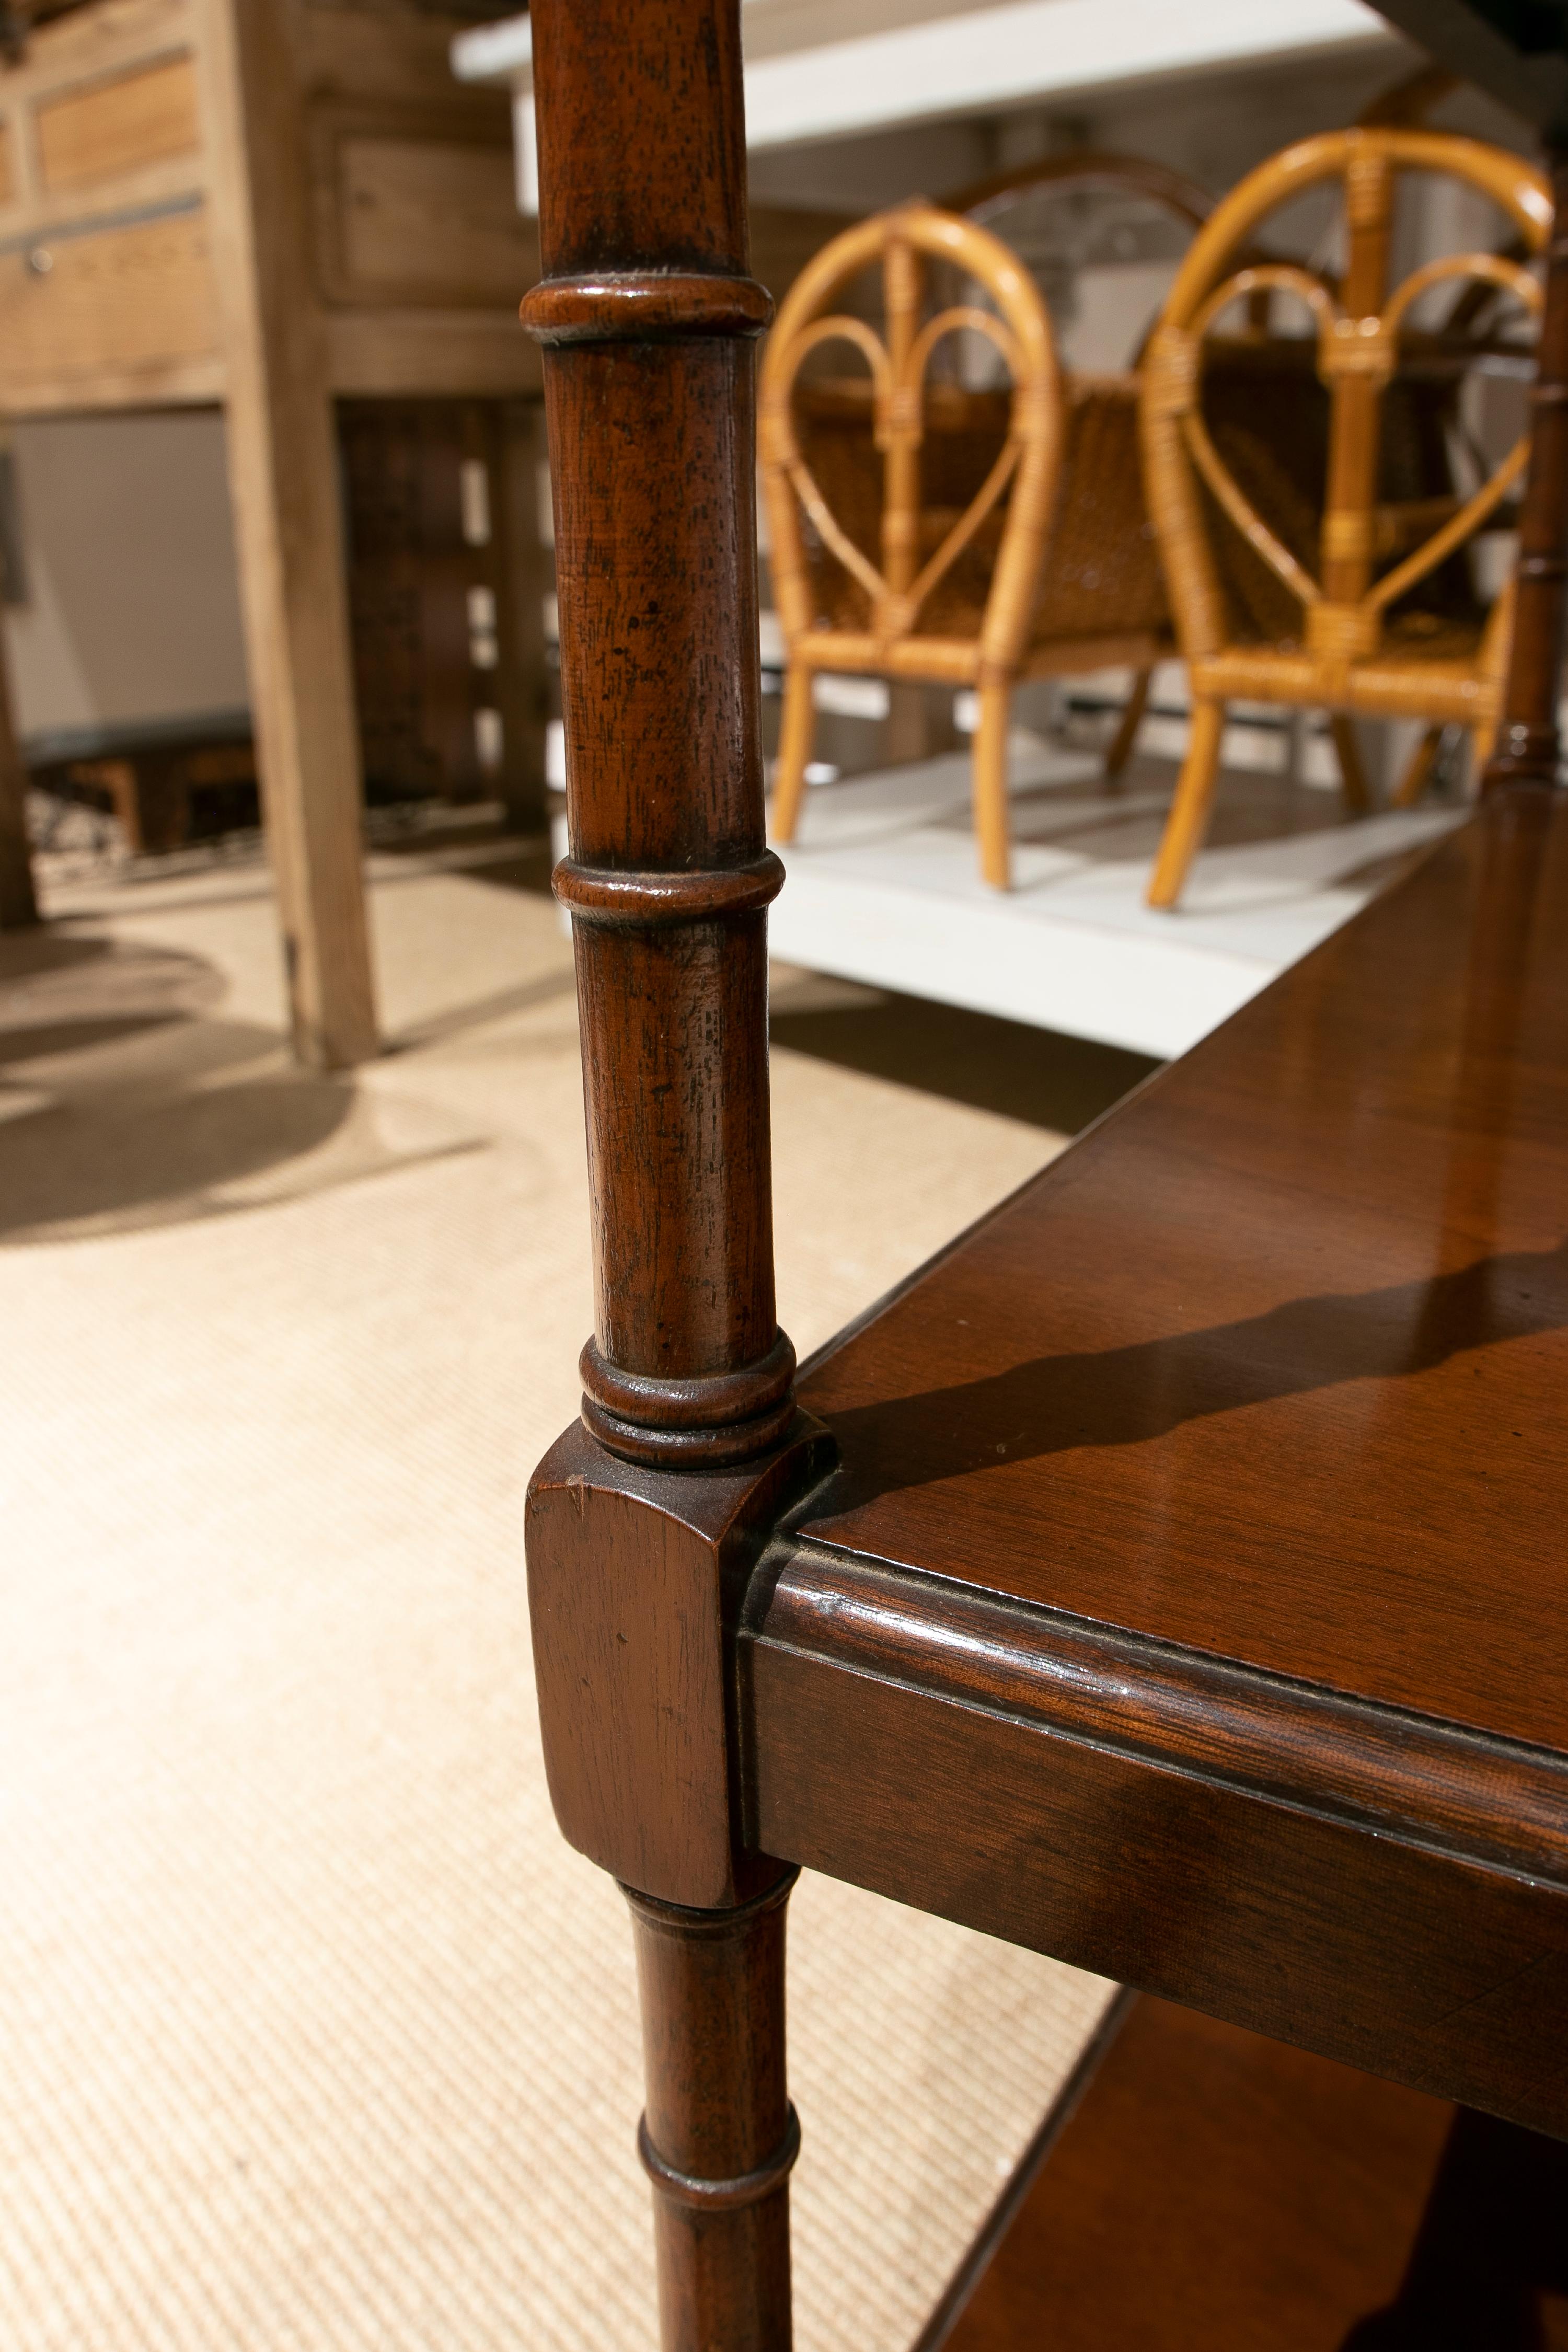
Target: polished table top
(1273, 1364)
(1188, 1601)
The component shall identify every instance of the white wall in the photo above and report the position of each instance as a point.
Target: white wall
(132, 607)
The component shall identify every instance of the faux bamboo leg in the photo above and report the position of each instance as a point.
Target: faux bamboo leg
(1126, 734)
(1188, 820)
(991, 784)
(1352, 774)
(799, 725)
(1418, 773)
(719, 2135)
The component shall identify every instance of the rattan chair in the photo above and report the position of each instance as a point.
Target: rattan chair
(1291, 478)
(925, 530)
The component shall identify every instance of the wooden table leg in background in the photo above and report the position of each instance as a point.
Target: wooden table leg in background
(643, 1520)
(18, 906)
(283, 482)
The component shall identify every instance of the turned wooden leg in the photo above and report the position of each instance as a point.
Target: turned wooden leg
(1126, 735)
(1353, 773)
(794, 749)
(991, 782)
(1188, 820)
(719, 2135)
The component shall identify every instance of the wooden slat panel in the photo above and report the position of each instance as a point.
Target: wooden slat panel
(126, 298)
(431, 218)
(117, 126)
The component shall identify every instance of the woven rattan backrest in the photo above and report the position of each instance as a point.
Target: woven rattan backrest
(1359, 323)
(1025, 469)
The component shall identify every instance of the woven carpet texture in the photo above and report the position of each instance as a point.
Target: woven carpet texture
(315, 2035)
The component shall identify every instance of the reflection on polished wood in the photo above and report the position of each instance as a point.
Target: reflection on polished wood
(1196, 1548)
(1211, 2188)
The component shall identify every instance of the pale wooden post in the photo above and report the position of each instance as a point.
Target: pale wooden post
(282, 468)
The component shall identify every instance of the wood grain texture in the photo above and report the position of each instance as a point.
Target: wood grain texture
(635, 1577)
(144, 117)
(283, 484)
(138, 303)
(399, 353)
(1198, 1526)
(718, 2137)
(421, 212)
(645, 313)
(1211, 2188)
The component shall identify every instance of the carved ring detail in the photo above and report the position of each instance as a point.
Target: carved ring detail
(701, 1422)
(721, 2196)
(638, 306)
(608, 894)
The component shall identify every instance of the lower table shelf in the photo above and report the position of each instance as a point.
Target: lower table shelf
(1200, 2188)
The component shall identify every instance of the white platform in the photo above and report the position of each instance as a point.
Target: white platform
(882, 889)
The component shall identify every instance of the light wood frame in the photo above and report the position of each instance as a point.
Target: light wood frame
(894, 644)
(1346, 662)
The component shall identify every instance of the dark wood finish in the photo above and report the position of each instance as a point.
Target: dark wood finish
(635, 1577)
(1277, 2203)
(643, 1524)
(1186, 1599)
(1197, 1529)
(719, 2136)
(1527, 750)
(646, 313)
(425, 664)
(18, 907)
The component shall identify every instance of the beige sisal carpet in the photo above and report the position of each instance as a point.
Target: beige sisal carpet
(312, 2032)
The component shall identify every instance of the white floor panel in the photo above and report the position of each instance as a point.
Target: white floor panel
(882, 889)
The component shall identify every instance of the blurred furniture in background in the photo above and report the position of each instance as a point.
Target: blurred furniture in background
(1310, 525)
(925, 528)
(292, 209)
(1102, 236)
(273, 205)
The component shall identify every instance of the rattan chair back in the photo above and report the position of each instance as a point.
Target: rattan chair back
(1326, 592)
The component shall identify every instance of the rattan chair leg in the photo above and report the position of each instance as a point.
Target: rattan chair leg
(799, 725)
(1352, 774)
(1418, 773)
(1126, 735)
(990, 784)
(1188, 820)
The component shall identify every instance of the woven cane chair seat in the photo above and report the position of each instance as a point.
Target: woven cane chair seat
(1101, 575)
